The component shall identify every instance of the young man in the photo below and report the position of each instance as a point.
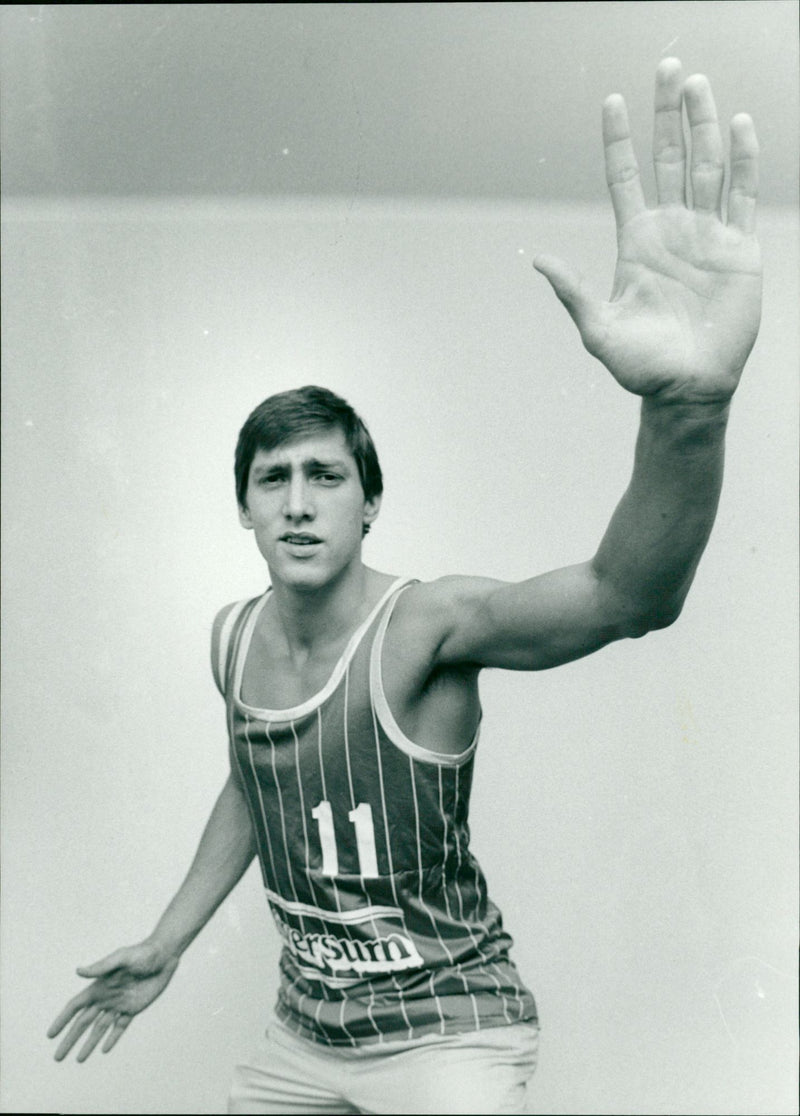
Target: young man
(352, 696)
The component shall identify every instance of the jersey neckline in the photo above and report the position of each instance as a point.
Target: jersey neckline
(296, 711)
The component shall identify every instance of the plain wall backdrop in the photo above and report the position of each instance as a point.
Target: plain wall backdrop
(635, 812)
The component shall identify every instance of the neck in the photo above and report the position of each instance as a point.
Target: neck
(315, 617)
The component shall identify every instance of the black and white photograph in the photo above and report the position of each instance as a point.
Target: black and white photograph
(400, 558)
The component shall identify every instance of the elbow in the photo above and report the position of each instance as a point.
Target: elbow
(652, 618)
(636, 610)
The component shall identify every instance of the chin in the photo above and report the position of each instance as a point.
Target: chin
(304, 578)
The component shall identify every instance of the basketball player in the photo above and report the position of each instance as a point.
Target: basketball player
(352, 696)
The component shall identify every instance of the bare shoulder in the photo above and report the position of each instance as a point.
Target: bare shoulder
(428, 611)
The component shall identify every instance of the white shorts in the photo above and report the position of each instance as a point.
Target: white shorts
(480, 1071)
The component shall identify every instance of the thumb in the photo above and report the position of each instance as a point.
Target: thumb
(116, 960)
(572, 290)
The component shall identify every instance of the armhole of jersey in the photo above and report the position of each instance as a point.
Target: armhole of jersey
(221, 632)
(385, 716)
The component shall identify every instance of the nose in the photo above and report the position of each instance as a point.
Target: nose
(298, 504)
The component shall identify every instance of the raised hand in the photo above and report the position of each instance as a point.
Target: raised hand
(686, 299)
(123, 984)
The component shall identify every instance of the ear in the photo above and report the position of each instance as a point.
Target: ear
(244, 518)
(371, 509)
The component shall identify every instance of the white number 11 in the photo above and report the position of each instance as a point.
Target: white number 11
(361, 818)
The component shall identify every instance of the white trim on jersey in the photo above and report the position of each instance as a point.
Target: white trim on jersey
(283, 716)
(220, 660)
(386, 717)
(361, 914)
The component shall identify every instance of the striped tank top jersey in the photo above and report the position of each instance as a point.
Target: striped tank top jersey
(363, 842)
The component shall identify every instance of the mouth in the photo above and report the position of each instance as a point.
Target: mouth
(300, 539)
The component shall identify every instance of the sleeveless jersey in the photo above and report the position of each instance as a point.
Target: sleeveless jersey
(363, 842)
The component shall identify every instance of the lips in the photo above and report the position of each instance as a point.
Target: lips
(300, 539)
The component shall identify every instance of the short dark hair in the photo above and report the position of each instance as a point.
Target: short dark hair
(294, 414)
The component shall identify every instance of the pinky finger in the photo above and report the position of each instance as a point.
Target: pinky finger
(744, 174)
(116, 1032)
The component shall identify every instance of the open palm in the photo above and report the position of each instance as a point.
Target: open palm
(126, 982)
(686, 299)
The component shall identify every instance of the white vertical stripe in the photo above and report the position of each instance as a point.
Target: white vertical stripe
(458, 853)
(423, 903)
(325, 794)
(283, 816)
(425, 906)
(443, 812)
(260, 799)
(467, 926)
(303, 813)
(234, 756)
(478, 879)
(346, 730)
(334, 886)
(377, 741)
(347, 744)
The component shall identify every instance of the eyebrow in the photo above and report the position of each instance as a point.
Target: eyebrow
(309, 464)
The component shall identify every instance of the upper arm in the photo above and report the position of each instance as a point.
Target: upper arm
(528, 625)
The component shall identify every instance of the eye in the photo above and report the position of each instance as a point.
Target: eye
(328, 478)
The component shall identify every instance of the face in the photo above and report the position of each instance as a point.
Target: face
(306, 506)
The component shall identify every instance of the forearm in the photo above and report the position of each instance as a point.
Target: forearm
(649, 554)
(226, 849)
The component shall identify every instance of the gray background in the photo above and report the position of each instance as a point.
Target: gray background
(165, 266)
(473, 100)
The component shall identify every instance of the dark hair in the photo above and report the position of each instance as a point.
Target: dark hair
(295, 414)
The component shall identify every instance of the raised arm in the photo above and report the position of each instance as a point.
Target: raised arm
(130, 979)
(677, 329)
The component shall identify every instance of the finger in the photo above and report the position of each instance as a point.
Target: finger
(572, 291)
(76, 1004)
(743, 189)
(669, 149)
(101, 1025)
(707, 165)
(119, 1028)
(76, 1030)
(622, 169)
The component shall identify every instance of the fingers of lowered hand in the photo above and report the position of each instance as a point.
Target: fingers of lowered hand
(743, 189)
(622, 168)
(707, 163)
(81, 1024)
(120, 1025)
(75, 1005)
(100, 1027)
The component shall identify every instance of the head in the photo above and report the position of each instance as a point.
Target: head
(308, 483)
(295, 414)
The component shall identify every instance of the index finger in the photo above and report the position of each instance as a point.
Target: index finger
(76, 1004)
(622, 168)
